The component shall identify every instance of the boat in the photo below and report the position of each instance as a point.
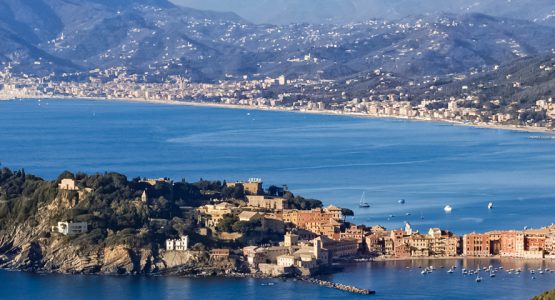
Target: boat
(478, 279)
(363, 203)
(490, 205)
(402, 201)
(450, 271)
(448, 209)
(492, 274)
(407, 214)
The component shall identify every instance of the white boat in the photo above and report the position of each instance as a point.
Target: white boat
(363, 203)
(490, 205)
(448, 209)
(450, 271)
(402, 201)
(478, 279)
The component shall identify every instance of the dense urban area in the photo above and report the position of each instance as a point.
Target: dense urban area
(318, 96)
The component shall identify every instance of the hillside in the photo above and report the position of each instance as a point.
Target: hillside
(157, 38)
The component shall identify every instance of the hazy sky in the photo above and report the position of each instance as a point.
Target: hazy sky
(317, 11)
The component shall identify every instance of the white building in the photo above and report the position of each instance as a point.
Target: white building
(181, 244)
(70, 228)
(286, 261)
(68, 184)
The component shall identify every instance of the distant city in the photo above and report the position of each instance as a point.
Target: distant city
(286, 94)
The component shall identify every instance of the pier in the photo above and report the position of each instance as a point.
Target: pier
(341, 287)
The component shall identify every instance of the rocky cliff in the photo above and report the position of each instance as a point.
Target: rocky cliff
(120, 239)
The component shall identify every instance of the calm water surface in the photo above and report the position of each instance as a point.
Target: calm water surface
(331, 158)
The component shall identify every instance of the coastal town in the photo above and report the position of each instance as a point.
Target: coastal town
(286, 94)
(313, 239)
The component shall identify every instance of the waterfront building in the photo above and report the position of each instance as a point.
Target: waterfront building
(475, 244)
(286, 260)
(181, 244)
(354, 232)
(343, 248)
(219, 254)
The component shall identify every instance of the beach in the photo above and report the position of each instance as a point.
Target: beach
(530, 129)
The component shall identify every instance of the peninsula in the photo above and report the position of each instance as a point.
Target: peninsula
(107, 224)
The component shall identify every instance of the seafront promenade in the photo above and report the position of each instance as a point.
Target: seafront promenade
(522, 128)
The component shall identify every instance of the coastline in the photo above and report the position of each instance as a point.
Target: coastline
(314, 112)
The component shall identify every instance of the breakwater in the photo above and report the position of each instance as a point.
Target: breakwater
(339, 286)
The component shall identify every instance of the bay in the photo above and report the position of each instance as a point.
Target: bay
(332, 158)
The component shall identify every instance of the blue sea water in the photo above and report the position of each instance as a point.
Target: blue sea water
(332, 158)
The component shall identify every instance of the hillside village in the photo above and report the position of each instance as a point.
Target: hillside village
(104, 223)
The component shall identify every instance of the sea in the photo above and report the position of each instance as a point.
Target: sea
(333, 158)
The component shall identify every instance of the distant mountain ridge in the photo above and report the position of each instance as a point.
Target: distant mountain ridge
(158, 38)
(345, 11)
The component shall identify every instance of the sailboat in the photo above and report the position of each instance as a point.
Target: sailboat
(490, 205)
(363, 203)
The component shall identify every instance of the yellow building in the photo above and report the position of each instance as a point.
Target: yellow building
(267, 202)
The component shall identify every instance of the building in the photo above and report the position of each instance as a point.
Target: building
(354, 232)
(219, 253)
(181, 244)
(211, 214)
(337, 249)
(154, 181)
(268, 255)
(335, 212)
(70, 228)
(475, 244)
(251, 187)
(267, 202)
(290, 239)
(68, 185)
(286, 260)
(248, 216)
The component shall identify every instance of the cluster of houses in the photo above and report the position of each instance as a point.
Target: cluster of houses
(315, 237)
(529, 243)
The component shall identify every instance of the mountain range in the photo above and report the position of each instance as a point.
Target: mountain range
(160, 38)
(345, 11)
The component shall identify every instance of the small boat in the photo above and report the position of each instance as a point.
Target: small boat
(478, 279)
(448, 209)
(402, 201)
(407, 214)
(492, 274)
(363, 203)
(490, 205)
(271, 283)
(450, 271)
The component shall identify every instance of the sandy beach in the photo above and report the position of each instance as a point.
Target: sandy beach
(319, 112)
